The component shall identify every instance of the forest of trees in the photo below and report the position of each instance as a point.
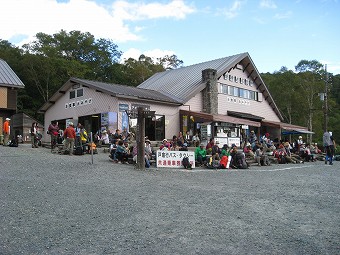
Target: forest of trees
(45, 64)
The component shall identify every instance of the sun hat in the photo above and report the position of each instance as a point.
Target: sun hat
(8, 119)
(70, 123)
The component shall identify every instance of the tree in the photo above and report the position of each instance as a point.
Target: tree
(137, 71)
(311, 83)
(170, 62)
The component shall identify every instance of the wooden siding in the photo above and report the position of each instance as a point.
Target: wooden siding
(12, 99)
(3, 97)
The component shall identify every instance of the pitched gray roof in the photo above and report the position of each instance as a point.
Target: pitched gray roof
(116, 90)
(8, 78)
(184, 83)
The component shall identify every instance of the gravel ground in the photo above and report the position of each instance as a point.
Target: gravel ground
(58, 204)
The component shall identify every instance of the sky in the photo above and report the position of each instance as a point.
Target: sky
(275, 33)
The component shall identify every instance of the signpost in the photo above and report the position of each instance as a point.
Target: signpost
(140, 114)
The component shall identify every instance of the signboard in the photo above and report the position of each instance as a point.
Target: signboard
(228, 140)
(109, 121)
(173, 159)
(234, 140)
(123, 107)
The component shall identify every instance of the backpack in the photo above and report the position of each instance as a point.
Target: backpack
(186, 163)
(241, 161)
(282, 159)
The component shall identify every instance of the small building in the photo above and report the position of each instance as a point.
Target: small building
(222, 99)
(9, 86)
(21, 125)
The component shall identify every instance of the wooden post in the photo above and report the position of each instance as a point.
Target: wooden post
(141, 139)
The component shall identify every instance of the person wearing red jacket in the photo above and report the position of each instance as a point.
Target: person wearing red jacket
(6, 130)
(69, 135)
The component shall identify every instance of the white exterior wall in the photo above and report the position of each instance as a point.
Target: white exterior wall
(196, 104)
(101, 102)
(237, 104)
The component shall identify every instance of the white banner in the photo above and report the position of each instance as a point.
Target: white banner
(174, 159)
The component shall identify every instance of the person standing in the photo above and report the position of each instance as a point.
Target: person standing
(6, 131)
(329, 145)
(78, 139)
(34, 133)
(69, 135)
(53, 130)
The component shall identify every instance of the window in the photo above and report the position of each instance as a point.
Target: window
(241, 81)
(230, 90)
(224, 89)
(235, 79)
(80, 92)
(72, 94)
(231, 78)
(236, 92)
(245, 82)
(241, 92)
(76, 93)
(225, 76)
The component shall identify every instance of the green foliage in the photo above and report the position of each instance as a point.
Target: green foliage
(298, 97)
(49, 61)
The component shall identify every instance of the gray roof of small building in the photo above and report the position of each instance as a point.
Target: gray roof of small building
(115, 90)
(184, 83)
(8, 77)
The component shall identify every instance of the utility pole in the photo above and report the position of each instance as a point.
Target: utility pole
(326, 101)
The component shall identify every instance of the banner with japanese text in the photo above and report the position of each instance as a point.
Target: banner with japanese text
(174, 159)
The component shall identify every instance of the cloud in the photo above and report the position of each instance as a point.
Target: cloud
(23, 19)
(286, 15)
(139, 11)
(154, 54)
(332, 67)
(268, 4)
(233, 11)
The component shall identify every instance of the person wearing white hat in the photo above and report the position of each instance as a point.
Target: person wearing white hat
(70, 135)
(6, 131)
(104, 139)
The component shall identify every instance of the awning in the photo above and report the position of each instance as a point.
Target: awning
(296, 132)
(284, 126)
(244, 115)
(221, 118)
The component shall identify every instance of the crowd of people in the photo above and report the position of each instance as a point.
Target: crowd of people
(260, 151)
